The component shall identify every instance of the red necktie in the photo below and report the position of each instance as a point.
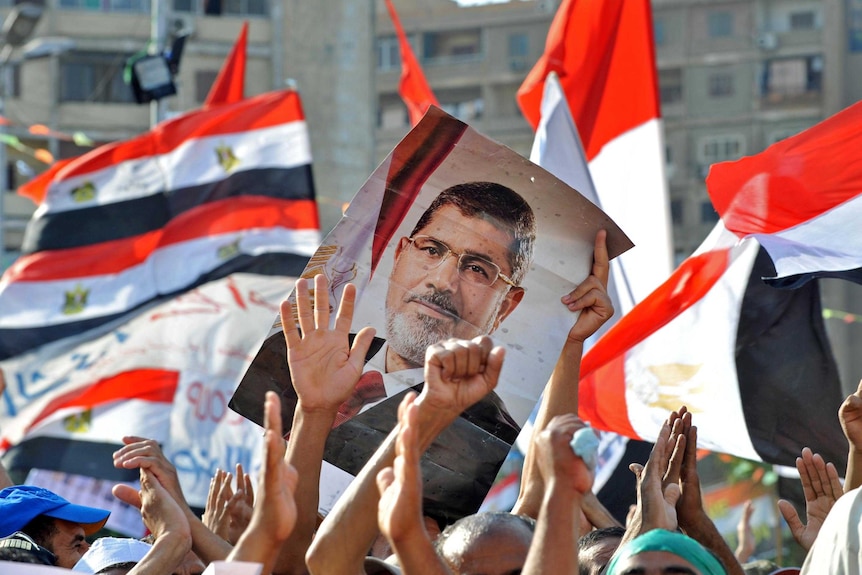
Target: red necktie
(368, 389)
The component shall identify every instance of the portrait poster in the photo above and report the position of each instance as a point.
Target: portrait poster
(495, 201)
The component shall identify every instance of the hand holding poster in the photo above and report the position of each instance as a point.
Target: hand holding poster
(457, 236)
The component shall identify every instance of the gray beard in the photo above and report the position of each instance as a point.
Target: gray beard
(410, 337)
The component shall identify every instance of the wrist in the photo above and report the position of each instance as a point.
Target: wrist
(315, 412)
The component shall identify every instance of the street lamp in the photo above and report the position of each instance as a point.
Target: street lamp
(17, 28)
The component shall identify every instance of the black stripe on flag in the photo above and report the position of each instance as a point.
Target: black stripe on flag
(14, 341)
(788, 378)
(70, 456)
(62, 230)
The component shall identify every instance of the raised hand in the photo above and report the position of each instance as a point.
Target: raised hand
(216, 516)
(458, 373)
(656, 502)
(745, 534)
(850, 415)
(822, 489)
(400, 509)
(142, 453)
(591, 296)
(324, 366)
(558, 464)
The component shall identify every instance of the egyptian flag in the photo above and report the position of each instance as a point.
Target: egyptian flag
(801, 198)
(752, 363)
(603, 53)
(413, 87)
(199, 197)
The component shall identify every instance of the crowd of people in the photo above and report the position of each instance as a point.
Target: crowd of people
(379, 525)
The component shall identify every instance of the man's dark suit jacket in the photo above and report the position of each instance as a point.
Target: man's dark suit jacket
(457, 470)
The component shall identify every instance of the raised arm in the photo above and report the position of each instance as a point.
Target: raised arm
(399, 513)
(146, 454)
(693, 519)
(561, 393)
(567, 478)
(274, 515)
(457, 374)
(324, 368)
(164, 519)
(850, 415)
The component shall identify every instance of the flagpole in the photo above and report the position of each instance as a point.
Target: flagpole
(158, 32)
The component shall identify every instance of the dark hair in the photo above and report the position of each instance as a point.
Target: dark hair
(598, 535)
(20, 548)
(593, 538)
(498, 204)
(41, 529)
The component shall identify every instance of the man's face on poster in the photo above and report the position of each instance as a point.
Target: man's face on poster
(437, 289)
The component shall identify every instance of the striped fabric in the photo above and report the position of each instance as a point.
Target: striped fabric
(199, 197)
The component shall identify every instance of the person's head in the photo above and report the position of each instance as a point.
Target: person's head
(51, 521)
(659, 552)
(459, 273)
(492, 543)
(596, 548)
(112, 556)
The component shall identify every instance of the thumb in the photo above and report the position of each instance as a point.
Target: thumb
(127, 494)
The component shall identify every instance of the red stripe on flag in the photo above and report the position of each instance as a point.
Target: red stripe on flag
(224, 216)
(793, 180)
(611, 412)
(604, 55)
(264, 111)
(154, 385)
(229, 85)
(685, 287)
(413, 87)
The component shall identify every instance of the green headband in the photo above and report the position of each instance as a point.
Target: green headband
(676, 543)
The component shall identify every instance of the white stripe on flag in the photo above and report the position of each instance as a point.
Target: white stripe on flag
(629, 178)
(193, 163)
(815, 246)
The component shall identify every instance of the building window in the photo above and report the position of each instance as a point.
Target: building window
(670, 85)
(779, 135)
(222, 7)
(519, 52)
(94, 77)
(392, 113)
(803, 20)
(792, 77)
(713, 149)
(658, 32)
(708, 215)
(204, 80)
(720, 24)
(676, 210)
(388, 53)
(452, 46)
(721, 85)
(106, 5)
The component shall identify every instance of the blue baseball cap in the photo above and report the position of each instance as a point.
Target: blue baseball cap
(20, 504)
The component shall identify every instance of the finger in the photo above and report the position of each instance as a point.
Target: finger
(303, 307)
(321, 302)
(239, 475)
(576, 299)
(248, 489)
(791, 517)
(805, 478)
(748, 510)
(361, 344)
(493, 367)
(226, 491)
(288, 325)
(272, 417)
(127, 494)
(477, 355)
(674, 468)
(672, 494)
(601, 262)
(344, 316)
(823, 485)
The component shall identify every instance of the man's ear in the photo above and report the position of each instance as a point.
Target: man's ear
(510, 302)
